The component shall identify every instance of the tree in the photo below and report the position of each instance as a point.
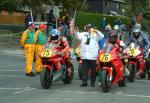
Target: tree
(10, 5)
(134, 6)
(71, 5)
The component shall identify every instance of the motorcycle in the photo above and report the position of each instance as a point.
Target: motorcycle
(53, 67)
(135, 57)
(109, 63)
(79, 60)
(148, 65)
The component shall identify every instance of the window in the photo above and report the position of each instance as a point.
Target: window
(107, 3)
(118, 5)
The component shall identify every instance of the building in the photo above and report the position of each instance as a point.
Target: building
(105, 6)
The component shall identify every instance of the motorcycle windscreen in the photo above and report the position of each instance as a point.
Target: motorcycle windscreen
(108, 48)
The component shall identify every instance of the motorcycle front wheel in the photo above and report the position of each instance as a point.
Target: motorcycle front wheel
(68, 74)
(132, 72)
(46, 78)
(105, 81)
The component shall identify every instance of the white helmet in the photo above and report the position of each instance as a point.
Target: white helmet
(108, 28)
(137, 28)
(116, 27)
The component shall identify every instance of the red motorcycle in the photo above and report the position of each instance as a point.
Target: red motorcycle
(136, 63)
(53, 67)
(110, 63)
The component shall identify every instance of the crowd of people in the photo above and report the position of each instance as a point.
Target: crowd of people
(91, 42)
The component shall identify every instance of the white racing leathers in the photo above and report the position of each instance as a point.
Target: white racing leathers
(89, 44)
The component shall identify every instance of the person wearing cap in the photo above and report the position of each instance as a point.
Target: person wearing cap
(28, 43)
(40, 39)
(89, 52)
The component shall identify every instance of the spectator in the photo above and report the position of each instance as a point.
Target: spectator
(66, 19)
(51, 17)
(28, 19)
(51, 21)
(103, 23)
(118, 21)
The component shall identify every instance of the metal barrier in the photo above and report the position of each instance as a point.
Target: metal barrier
(5, 38)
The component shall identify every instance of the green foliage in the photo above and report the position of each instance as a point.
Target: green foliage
(10, 5)
(83, 19)
(134, 6)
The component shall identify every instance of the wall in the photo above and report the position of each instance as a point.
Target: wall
(12, 17)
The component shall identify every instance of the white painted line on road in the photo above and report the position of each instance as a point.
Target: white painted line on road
(14, 76)
(97, 93)
(13, 54)
(12, 65)
(25, 90)
(10, 88)
(12, 70)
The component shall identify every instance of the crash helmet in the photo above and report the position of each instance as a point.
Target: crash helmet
(136, 30)
(113, 36)
(54, 35)
(108, 28)
(116, 27)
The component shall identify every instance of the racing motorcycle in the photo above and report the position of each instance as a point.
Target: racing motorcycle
(53, 68)
(109, 62)
(148, 65)
(135, 57)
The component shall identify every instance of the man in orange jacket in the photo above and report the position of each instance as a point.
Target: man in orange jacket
(28, 43)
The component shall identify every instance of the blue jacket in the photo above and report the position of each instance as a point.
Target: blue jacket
(142, 41)
(102, 42)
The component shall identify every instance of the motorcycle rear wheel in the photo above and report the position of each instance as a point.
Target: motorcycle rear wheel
(46, 78)
(122, 83)
(105, 83)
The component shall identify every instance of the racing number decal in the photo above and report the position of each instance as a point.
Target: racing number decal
(106, 57)
(46, 53)
(132, 52)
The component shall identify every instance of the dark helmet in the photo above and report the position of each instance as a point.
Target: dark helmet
(113, 35)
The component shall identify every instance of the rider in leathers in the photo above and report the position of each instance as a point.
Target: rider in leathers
(138, 37)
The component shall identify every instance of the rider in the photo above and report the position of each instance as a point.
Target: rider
(61, 44)
(113, 39)
(141, 39)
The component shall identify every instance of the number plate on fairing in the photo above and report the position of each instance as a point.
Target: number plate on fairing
(46, 53)
(105, 57)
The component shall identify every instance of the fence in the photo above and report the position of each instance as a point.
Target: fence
(9, 35)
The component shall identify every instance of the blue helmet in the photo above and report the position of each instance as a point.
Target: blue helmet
(54, 34)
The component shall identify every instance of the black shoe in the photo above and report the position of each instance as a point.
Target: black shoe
(30, 74)
(83, 85)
